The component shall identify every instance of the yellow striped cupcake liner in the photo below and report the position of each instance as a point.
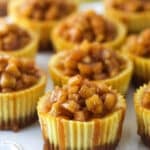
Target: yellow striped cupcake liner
(141, 67)
(29, 51)
(119, 82)
(42, 28)
(101, 134)
(18, 109)
(61, 44)
(135, 22)
(143, 116)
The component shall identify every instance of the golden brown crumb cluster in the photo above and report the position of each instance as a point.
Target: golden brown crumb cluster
(81, 100)
(95, 62)
(17, 74)
(12, 37)
(87, 26)
(47, 9)
(131, 5)
(139, 44)
(146, 97)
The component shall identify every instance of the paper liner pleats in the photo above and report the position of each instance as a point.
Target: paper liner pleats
(143, 115)
(119, 82)
(102, 134)
(18, 109)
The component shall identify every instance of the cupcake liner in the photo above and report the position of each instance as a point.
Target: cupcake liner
(134, 21)
(119, 82)
(61, 44)
(102, 134)
(29, 51)
(18, 109)
(143, 116)
(141, 68)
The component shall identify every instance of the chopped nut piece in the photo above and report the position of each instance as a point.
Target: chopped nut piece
(85, 69)
(86, 91)
(71, 106)
(13, 70)
(73, 89)
(7, 81)
(75, 80)
(110, 101)
(94, 104)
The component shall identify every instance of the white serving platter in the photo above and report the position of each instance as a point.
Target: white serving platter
(30, 138)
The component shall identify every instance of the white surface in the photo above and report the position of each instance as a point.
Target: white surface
(31, 139)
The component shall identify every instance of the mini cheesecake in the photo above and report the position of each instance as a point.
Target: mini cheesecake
(87, 26)
(41, 16)
(81, 115)
(21, 85)
(142, 108)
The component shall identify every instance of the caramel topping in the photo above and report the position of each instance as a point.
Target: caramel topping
(87, 26)
(94, 63)
(146, 98)
(139, 44)
(17, 74)
(131, 5)
(47, 9)
(12, 37)
(81, 100)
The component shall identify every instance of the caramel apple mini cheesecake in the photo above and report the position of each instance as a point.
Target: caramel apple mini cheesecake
(137, 47)
(21, 85)
(41, 15)
(87, 26)
(92, 61)
(142, 107)
(17, 41)
(81, 115)
(134, 13)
